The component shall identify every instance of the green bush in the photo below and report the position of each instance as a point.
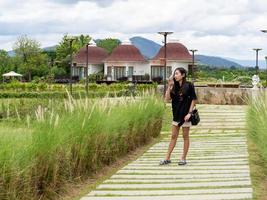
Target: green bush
(72, 141)
(62, 94)
(44, 87)
(257, 126)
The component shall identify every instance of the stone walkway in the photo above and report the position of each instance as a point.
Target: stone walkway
(217, 164)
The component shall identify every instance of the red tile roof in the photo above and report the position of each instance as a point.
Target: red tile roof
(175, 51)
(126, 52)
(96, 55)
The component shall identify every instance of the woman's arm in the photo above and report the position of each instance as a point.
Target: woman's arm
(168, 95)
(193, 103)
(168, 91)
(187, 117)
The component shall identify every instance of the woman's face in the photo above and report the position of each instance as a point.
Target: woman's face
(178, 76)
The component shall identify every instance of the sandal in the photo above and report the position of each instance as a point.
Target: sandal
(182, 162)
(164, 162)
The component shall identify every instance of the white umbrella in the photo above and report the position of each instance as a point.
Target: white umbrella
(9, 74)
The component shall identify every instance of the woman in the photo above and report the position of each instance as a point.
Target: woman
(183, 97)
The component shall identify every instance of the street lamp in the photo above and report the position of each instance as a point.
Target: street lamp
(86, 69)
(193, 62)
(257, 56)
(70, 39)
(165, 57)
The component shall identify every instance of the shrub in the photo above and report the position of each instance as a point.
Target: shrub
(256, 122)
(65, 143)
(61, 94)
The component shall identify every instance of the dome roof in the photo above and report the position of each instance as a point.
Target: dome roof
(96, 55)
(126, 52)
(175, 51)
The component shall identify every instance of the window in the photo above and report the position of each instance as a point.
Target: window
(109, 71)
(119, 72)
(157, 71)
(130, 71)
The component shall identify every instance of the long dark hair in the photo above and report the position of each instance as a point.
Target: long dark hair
(177, 89)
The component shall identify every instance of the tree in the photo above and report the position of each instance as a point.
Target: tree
(51, 58)
(63, 50)
(109, 44)
(5, 62)
(29, 53)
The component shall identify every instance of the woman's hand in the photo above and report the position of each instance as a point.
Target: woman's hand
(187, 117)
(170, 82)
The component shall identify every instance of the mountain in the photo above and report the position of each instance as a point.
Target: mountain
(147, 47)
(51, 48)
(150, 48)
(216, 61)
(249, 63)
(11, 53)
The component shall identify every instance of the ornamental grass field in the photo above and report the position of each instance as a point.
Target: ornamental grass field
(46, 145)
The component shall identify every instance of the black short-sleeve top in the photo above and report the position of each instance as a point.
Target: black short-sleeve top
(181, 100)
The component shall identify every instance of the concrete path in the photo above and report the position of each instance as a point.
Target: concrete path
(217, 164)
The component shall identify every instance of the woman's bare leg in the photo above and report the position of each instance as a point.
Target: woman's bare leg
(175, 133)
(186, 142)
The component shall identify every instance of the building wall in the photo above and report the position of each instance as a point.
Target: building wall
(172, 64)
(143, 68)
(139, 68)
(176, 64)
(95, 68)
(92, 69)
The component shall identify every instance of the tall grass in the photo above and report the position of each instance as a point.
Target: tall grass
(257, 123)
(72, 141)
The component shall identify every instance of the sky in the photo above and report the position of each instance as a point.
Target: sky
(227, 28)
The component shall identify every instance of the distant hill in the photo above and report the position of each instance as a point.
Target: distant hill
(216, 61)
(249, 63)
(150, 48)
(11, 53)
(147, 47)
(51, 48)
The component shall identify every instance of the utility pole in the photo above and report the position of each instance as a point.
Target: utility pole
(257, 56)
(193, 63)
(70, 39)
(86, 69)
(165, 58)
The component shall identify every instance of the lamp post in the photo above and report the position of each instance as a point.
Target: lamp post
(165, 57)
(70, 39)
(193, 63)
(86, 69)
(257, 57)
(51, 64)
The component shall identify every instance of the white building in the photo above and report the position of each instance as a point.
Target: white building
(126, 60)
(96, 57)
(177, 56)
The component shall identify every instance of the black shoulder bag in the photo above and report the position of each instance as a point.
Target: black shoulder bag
(195, 119)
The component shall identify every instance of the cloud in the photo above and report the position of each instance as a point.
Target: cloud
(229, 28)
(101, 3)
